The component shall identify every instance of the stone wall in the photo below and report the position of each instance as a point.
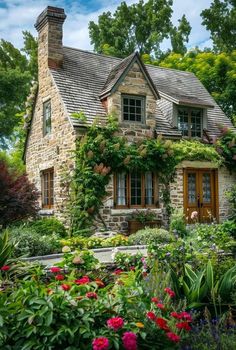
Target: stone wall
(226, 180)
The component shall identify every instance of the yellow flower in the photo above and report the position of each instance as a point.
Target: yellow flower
(139, 325)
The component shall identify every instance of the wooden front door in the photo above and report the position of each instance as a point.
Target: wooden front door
(200, 195)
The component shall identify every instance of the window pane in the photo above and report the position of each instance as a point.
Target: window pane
(133, 109)
(47, 188)
(149, 189)
(192, 188)
(47, 117)
(121, 189)
(136, 188)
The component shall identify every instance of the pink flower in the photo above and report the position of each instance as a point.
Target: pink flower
(160, 306)
(151, 315)
(186, 316)
(5, 268)
(132, 268)
(129, 340)
(115, 323)
(194, 215)
(118, 272)
(173, 337)
(91, 295)
(170, 292)
(100, 343)
(65, 287)
(83, 280)
(55, 269)
(183, 325)
(59, 277)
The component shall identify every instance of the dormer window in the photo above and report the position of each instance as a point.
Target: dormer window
(190, 121)
(47, 117)
(133, 108)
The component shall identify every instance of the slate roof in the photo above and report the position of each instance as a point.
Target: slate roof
(85, 75)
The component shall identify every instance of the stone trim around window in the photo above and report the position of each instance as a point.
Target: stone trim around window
(133, 109)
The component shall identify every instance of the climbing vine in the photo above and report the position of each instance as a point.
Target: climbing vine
(102, 152)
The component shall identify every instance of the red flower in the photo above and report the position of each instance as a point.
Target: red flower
(100, 343)
(155, 300)
(5, 268)
(83, 280)
(59, 277)
(186, 316)
(132, 268)
(183, 325)
(91, 295)
(160, 306)
(65, 287)
(129, 340)
(115, 323)
(170, 292)
(99, 283)
(55, 269)
(176, 315)
(151, 315)
(162, 324)
(118, 272)
(173, 337)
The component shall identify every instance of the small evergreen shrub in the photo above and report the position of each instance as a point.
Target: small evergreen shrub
(48, 226)
(149, 236)
(177, 223)
(30, 243)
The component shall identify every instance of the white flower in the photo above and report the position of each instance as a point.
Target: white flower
(113, 254)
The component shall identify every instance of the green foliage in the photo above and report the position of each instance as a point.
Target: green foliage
(16, 73)
(125, 261)
(150, 236)
(143, 216)
(141, 26)
(177, 223)
(48, 226)
(220, 20)
(6, 248)
(226, 147)
(30, 243)
(79, 242)
(231, 195)
(215, 71)
(81, 259)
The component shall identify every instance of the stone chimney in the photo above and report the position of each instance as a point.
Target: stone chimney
(49, 26)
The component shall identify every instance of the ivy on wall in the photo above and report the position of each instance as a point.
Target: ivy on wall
(102, 152)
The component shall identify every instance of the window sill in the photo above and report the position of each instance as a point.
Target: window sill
(46, 212)
(124, 124)
(128, 211)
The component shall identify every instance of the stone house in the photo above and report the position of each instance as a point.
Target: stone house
(148, 101)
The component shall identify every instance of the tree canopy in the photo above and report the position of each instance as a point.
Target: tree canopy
(141, 26)
(17, 70)
(220, 20)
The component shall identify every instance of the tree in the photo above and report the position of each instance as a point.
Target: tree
(16, 74)
(18, 198)
(217, 72)
(220, 20)
(141, 26)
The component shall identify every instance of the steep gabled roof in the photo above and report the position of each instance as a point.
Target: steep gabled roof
(85, 75)
(118, 73)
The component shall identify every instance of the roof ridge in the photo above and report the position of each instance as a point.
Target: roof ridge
(94, 53)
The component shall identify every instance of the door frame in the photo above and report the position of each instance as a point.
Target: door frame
(215, 188)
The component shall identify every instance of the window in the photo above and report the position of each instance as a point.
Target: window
(47, 188)
(47, 118)
(190, 121)
(133, 108)
(135, 190)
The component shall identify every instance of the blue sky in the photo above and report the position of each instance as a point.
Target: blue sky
(19, 15)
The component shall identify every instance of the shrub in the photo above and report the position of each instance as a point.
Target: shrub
(150, 235)
(30, 243)
(48, 226)
(177, 223)
(18, 198)
(231, 195)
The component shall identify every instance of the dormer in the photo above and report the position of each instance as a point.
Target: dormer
(130, 93)
(188, 114)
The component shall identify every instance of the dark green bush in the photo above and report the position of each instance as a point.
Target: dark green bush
(48, 226)
(30, 243)
(177, 223)
(150, 235)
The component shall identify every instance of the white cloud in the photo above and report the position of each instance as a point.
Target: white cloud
(18, 15)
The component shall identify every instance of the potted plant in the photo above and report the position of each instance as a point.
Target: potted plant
(141, 219)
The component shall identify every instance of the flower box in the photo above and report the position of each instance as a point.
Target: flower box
(135, 225)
